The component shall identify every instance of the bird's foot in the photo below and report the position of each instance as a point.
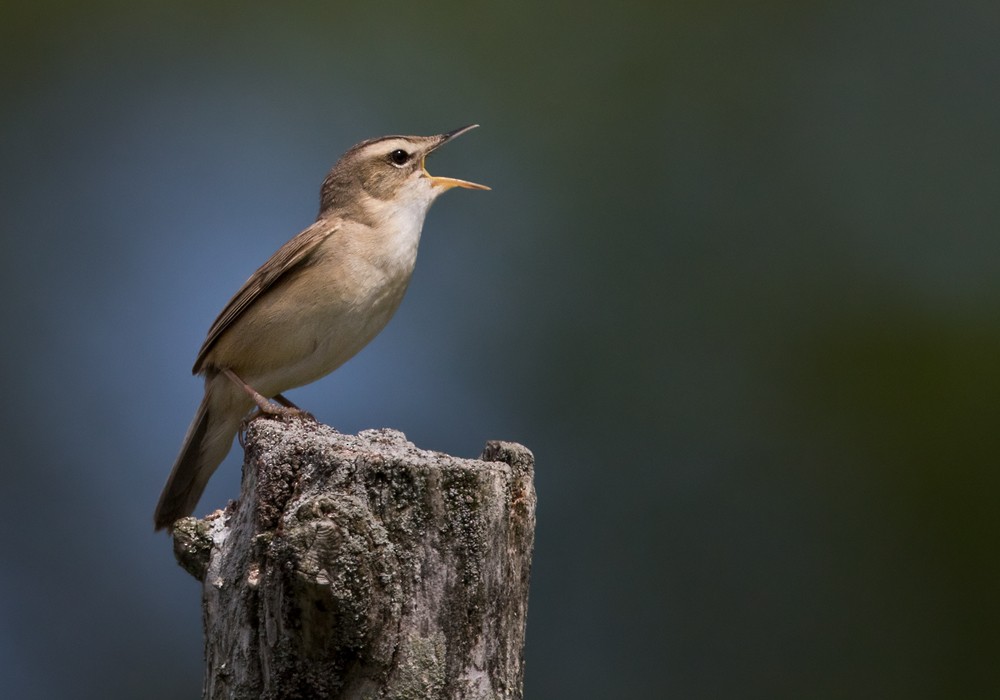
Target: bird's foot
(293, 411)
(284, 411)
(280, 407)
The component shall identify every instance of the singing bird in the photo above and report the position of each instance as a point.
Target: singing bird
(314, 304)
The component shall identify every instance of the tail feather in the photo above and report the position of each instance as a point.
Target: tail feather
(206, 444)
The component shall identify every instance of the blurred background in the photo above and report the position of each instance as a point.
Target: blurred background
(736, 285)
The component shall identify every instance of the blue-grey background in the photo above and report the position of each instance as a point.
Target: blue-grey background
(736, 286)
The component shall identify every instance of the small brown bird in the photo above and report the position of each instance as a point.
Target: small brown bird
(319, 299)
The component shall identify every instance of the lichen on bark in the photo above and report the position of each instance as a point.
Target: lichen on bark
(364, 567)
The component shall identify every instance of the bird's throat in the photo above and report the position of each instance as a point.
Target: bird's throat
(395, 233)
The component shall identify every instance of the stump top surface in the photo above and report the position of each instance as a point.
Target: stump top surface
(275, 436)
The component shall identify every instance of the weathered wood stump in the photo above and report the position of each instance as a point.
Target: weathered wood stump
(362, 567)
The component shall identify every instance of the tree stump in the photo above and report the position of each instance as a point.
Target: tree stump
(362, 567)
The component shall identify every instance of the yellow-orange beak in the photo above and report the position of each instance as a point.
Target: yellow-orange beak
(449, 182)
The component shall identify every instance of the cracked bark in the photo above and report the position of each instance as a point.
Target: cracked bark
(362, 567)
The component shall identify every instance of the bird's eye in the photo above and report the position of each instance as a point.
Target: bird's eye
(399, 157)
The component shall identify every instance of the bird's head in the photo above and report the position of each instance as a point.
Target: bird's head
(391, 171)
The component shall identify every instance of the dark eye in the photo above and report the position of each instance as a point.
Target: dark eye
(399, 157)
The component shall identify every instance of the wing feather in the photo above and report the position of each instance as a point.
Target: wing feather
(293, 254)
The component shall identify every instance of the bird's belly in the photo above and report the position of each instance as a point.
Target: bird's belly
(305, 331)
(328, 342)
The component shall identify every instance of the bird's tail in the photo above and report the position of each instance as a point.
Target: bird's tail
(206, 444)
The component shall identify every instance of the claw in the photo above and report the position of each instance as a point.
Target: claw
(285, 413)
(280, 407)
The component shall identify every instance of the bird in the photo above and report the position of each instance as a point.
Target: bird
(313, 305)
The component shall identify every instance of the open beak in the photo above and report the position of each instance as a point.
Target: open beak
(449, 182)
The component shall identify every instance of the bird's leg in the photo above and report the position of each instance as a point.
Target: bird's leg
(295, 409)
(285, 402)
(286, 409)
(263, 405)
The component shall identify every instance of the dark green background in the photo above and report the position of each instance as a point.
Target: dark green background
(736, 286)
